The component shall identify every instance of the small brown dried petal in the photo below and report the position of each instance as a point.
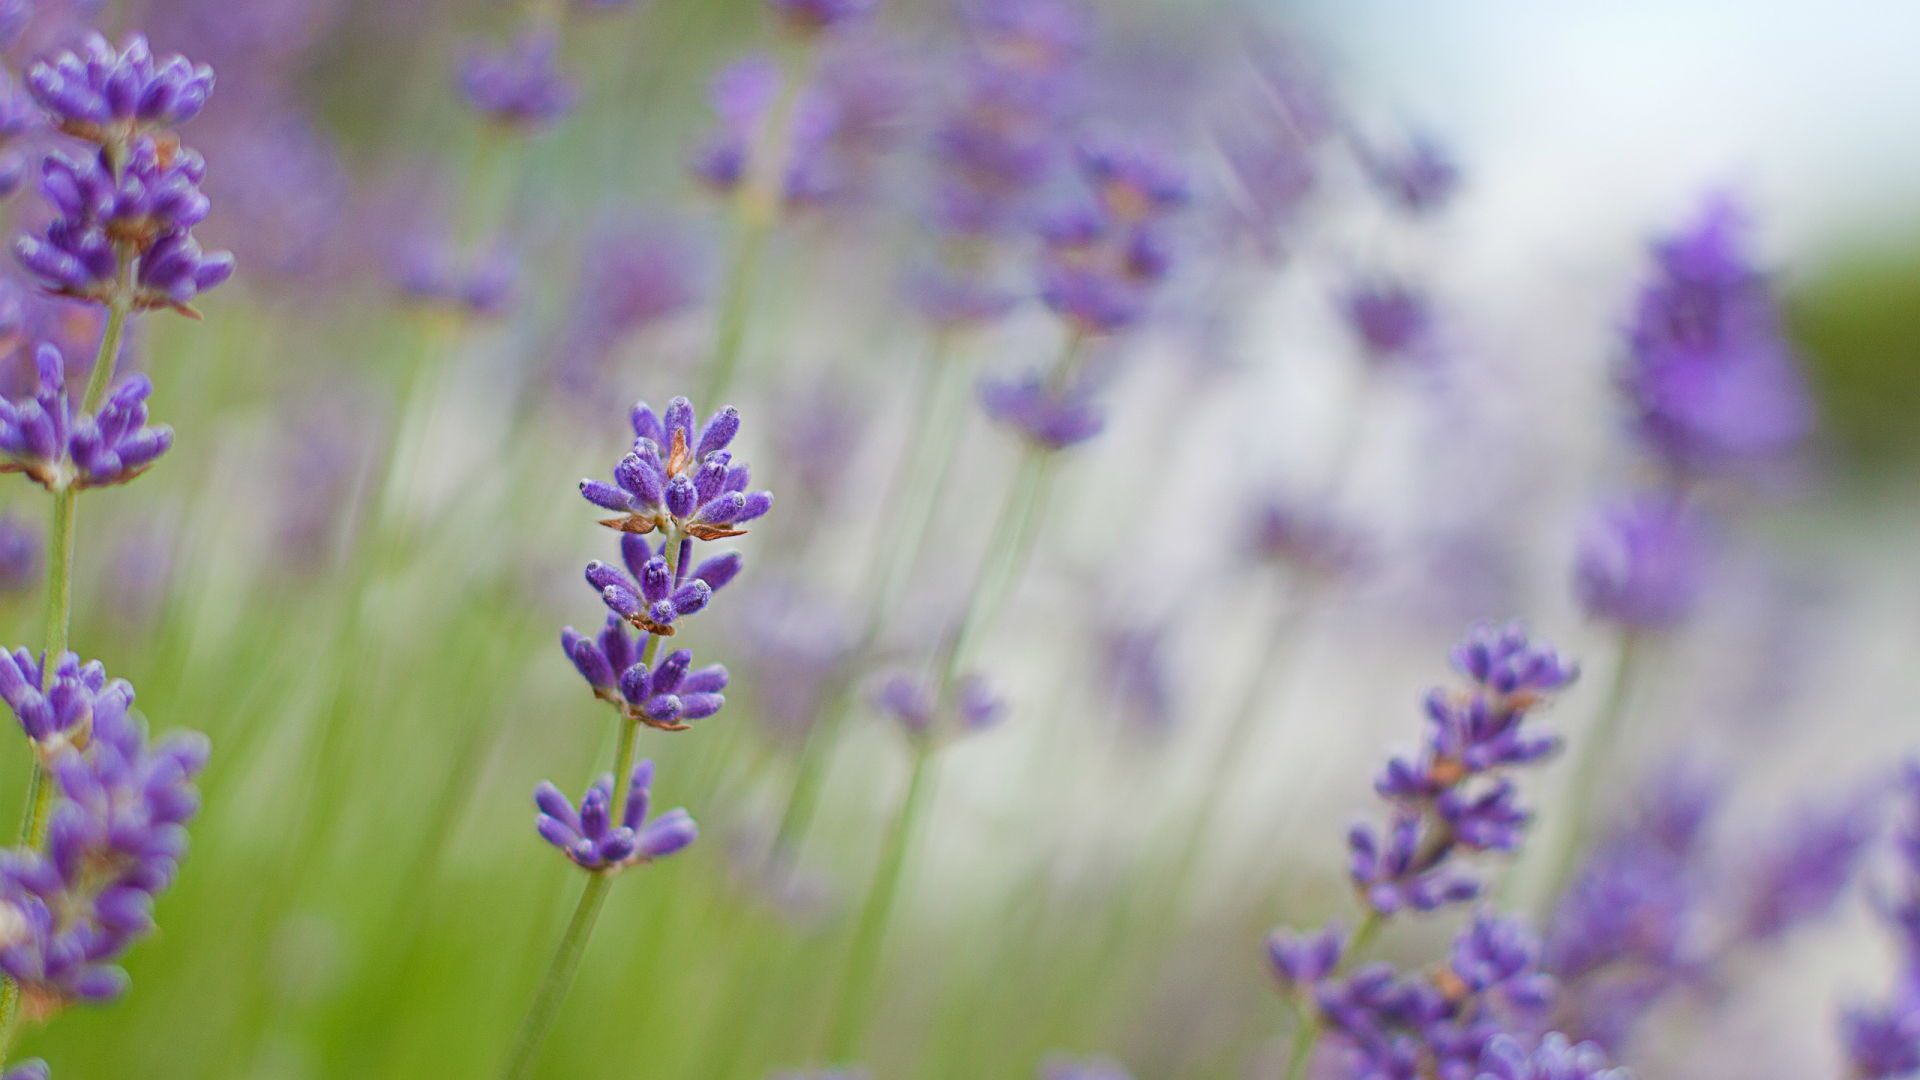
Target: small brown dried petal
(659, 725)
(678, 457)
(641, 622)
(632, 523)
(713, 532)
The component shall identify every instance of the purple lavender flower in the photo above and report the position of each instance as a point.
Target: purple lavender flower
(692, 489)
(740, 94)
(43, 437)
(1307, 539)
(1802, 873)
(1712, 381)
(633, 275)
(588, 836)
(106, 96)
(1881, 1042)
(1055, 419)
(1441, 797)
(433, 273)
(952, 300)
(117, 833)
(1420, 179)
(1134, 663)
(914, 704)
(19, 555)
(667, 697)
(521, 84)
(74, 698)
(814, 16)
(1553, 1059)
(1391, 320)
(1640, 562)
(32, 1068)
(1136, 181)
(14, 17)
(1303, 961)
(1031, 35)
(112, 210)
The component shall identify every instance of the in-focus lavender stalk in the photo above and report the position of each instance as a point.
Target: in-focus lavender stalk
(680, 482)
(1449, 798)
(105, 821)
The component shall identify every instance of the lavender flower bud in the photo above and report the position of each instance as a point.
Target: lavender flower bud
(1300, 961)
(1640, 563)
(588, 837)
(520, 85)
(89, 94)
(1049, 420)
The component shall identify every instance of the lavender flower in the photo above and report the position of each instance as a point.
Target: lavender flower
(667, 697)
(76, 698)
(1640, 562)
(1391, 320)
(1303, 961)
(1440, 800)
(1882, 1041)
(19, 555)
(116, 836)
(951, 300)
(113, 210)
(652, 597)
(1420, 178)
(1102, 259)
(813, 16)
(33, 1068)
(1306, 539)
(693, 489)
(1031, 35)
(521, 84)
(1052, 418)
(1553, 1059)
(633, 275)
(1447, 1022)
(106, 96)
(1712, 381)
(435, 274)
(1093, 1068)
(588, 836)
(916, 706)
(1801, 874)
(43, 437)
(14, 17)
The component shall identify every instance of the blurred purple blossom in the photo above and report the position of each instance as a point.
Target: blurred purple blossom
(1419, 178)
(1049, 417)
(1310, 540)
(104, 95)
(1390, 318)
(1800, 873)
(632, 275)
(1640, 562)
(913, 703)
(814, 16)
(431, 272)
(1713, 383)
(520, 84)
(20, 555)
(44, 438)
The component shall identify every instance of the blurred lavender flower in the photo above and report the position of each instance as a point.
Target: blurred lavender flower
(282, 192)
(1102, 259)
(1133, 661)
(20, 553)
(816, 431)
(1712, 381)
(75, 697)
(1640, 562)
(33, 1068)
(1420, 178)
(667, 697)
(433, 273)
(633, 275)
(1470, 734)
(1882, 1041)
(106, 96)
(813, 16)
(588, 836)
(14, 17)
(1391, 320)
(520, 85)
(913, 703)
(795, 643)
(1554, 1058)
(59, 450)
(996, 145)
(18, 116)
(1052, 418)
(116, 836)
(1303, 961)
(693, 490)
(1627, 930)
(954, 300)
(1802, 872)
(1311, 541)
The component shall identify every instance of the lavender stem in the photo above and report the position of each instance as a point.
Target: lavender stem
(559, 977)
(1591, 762)
(1306, 1032)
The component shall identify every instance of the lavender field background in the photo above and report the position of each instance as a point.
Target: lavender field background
(1151, 395)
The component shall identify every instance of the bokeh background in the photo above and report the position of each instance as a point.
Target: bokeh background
(352, 569)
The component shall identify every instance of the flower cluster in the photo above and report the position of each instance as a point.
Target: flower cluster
(117, 833)
(1450, 796)
(1103, 256)
(44, 438)
(126, 211)
(1440, 1024)
(1882, 1041)
(1711, 378)
(588, 835)
(1391, 318)
(520, 85)
(693, 489)
(1640, 562)
(648, 595)
(917, 705)
(667, 697)
(434, 274)
(1047, 416)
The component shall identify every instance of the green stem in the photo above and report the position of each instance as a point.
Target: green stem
(756, 210)
(938, 426)
(559, 978)
(1591, 762)
(1001, 569)
(863, 960)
